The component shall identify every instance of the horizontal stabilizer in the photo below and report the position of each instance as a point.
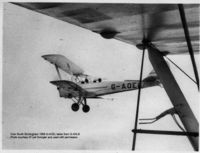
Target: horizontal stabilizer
(152, 79)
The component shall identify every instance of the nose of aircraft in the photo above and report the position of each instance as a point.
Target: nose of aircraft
(57, 83)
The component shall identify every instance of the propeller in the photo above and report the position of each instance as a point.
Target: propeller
(153, 26)
(151, 23)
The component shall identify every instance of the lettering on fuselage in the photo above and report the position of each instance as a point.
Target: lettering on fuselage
(124, 86)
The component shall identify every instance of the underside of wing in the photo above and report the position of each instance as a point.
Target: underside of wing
(73, 88)
(130, 23)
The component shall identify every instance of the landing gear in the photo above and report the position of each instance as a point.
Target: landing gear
(75, 107)
(77, 102)
(86, 108)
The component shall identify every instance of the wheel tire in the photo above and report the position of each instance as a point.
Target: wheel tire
(86, 108)
(75, 107)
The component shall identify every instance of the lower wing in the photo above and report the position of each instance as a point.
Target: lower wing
(72, 88)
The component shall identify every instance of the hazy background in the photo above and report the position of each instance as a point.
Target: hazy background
(32, 104)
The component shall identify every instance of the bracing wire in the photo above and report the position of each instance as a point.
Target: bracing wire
(181, 69)
(188, 40)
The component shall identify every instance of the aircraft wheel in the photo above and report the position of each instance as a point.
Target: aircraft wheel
(75, 107)
(86, 108)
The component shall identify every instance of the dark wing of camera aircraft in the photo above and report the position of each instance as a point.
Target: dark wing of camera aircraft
(161, 29)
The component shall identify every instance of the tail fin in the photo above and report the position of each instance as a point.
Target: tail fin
(152, 79)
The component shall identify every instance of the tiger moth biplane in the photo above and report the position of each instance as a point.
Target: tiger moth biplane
(82, 86)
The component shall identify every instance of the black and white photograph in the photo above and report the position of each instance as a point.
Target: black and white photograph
(101, 76)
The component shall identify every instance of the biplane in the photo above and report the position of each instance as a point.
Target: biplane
(82, 86)
(161, 29)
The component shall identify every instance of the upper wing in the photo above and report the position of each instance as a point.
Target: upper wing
(63, 63)
(161, 23)
(68, 85)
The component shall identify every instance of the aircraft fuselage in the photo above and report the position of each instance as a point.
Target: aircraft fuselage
(109, 87)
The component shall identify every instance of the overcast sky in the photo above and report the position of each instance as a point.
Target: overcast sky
(32, 104)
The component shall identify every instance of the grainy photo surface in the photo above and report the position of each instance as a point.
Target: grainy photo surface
(74, 74)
